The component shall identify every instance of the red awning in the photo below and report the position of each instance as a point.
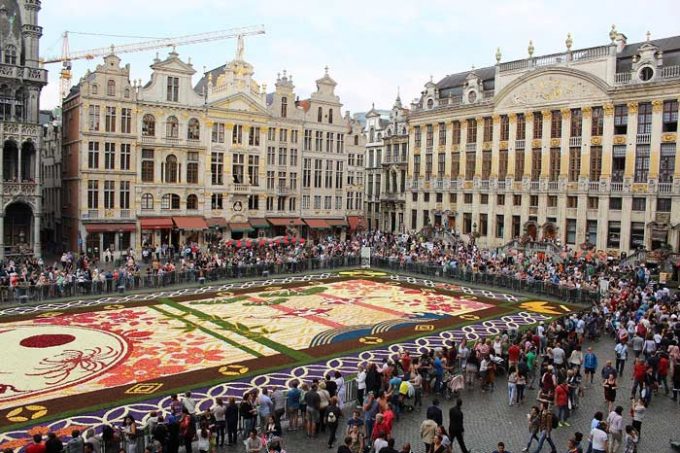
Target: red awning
(156, 223)
(286, 221)
(216, 222)
(356, 222)
(102, 227)
(258, 222)
(242, 227)
(190, 223)
(336, 222)
(317, 223)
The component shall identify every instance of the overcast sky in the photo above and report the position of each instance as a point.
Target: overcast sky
(371, 46)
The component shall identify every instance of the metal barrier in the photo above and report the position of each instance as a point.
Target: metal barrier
(23, 293)
(541, 288)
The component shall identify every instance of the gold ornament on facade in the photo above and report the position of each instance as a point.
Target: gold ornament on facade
(596, 141)
(512, 117)
(639, 187)
(669, 138)
(554, 142)
(209, 123)
(456, 148)
(503, 145)
(479, 119)
(608, 109)
(566, 113)
(486, 146)
(467, 185)
(529, 116)
(586, 111)
(619, 139)
(632, 107)
(536, 143)
(657, 106)
(496, 118)
(547, 114)
(185, 115)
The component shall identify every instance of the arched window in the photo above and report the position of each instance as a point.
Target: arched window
(172, 127)
(379, 135)
(330, 116)
(430, 103)
(284, 107)
(95, 88)
(111, 88)
(389, 132)
(192, 202)
(149, 125)
(319, 114)
(147, 201)
(171, 168)
(10, 54)
(170, 201)
(356, 139)
(126, 93)
(371, 135)
(193, 132)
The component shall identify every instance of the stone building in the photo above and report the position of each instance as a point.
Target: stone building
(21, 79)
(50, 177)
(183, 163)
(577, 147)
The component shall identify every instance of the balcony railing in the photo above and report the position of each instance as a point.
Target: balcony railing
(148, 139)
(439, 184)
(644, 139)
(93, 213)
(553, 186)
(616, 187)
(415, 184)
(593, 186)
(519, 144)
(19, 188)
(574, 142)
(453, 184)
(500, 185)
(665, 187)
(470, 147)
(670, 72)
(535, 185)
(124, 213)
(241, 188)
(622, 78)
(484, 184)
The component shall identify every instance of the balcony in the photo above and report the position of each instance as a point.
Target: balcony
(393, 196)
(240, 188)
(148, 139)
(574, 142)
(553, 186)
(415, 184)
(665, 187)
(453, 184)
(664, 73)
(593, 186)
(644, 139)
(519, 144)
(173, 141)
(470, 147)
(616, 186)
(535, 186)
(500, 185)
(484, 184)
(591, 53)
(13, 189)
(91, 214)
(439, 184)
(124, 213)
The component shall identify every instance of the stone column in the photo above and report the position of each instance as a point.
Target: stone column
(545, 149)
(655, 148)
(2, 234)
(36, 235)
(631, 140)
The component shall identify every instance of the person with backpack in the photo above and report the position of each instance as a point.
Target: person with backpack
(547, 423)
(333, 416)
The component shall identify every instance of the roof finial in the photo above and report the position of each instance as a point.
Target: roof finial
(112, 49)
(649, 36)
(613, 33)
(398, 92)
(530, 49)
(569, 42)
(326, 70)
(284, 73)
(239, 48)
(498, 55)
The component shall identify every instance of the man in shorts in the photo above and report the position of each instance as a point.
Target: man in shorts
(313, 401)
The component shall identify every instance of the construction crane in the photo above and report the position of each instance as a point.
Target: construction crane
(67, 56)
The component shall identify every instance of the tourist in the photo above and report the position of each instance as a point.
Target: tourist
(610, 387)
(37, 446)
(456, 428)
(346, 446)
(500, 448)
(333, 416)
(253, 442)
(218, 412)
(361, 383)
(231, 415)
(589, 364)
(292, 405)
(313, 403)
(599, 439)
(53, 444)
(631, 440)
(512, 385)
(279, 400)
(639, 409)
(428, 429)
(615, 429)
(435, 413)
(265, 408)
(621, 350)
(187, 428)
(545, 428)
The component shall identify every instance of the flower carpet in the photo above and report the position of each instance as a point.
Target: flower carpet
(91, 363)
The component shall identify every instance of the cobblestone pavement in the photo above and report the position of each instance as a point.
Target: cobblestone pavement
(489, 419)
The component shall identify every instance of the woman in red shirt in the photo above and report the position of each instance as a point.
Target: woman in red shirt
(562, 403)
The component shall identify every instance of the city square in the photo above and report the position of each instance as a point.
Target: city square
(380, 227)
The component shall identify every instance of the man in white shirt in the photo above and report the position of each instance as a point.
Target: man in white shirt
(621, 350)
(598, 438)
(615, 424)
(558, 356)
(189, 403)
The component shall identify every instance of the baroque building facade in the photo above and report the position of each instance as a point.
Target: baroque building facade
(578, 147)
(21, 80)
(169, 162)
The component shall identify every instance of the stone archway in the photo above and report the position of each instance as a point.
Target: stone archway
(549, 231)
(18, 229)
(531, 230)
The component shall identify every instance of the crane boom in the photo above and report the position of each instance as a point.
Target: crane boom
(159, 43)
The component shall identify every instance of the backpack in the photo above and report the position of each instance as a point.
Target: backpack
(331, 418)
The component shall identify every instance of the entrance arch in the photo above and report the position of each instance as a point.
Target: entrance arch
(549, 231)
(531, 230)
(18, 229)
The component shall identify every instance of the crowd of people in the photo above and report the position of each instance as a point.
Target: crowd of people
(549, 368)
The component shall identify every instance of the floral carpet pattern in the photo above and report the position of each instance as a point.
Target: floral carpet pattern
(65, 360)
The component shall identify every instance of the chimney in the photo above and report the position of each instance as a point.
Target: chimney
(620, 41)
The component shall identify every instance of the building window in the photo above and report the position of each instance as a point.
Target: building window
(283, 135)
(93, 194)
(488, 129)
(125, 195)
(95, 88)
(517, 200)
(327, 202)
(556, 124)
(217, 168)
(171, 169)
(552, 201)
(574, 163)
(148, 125)
(483, 225)
(254, 136)
(110, 119)
(109, 190)
(470, 161)
(500, 200)
(521, 126)
(442, 133)
(318, 172)
(170, 201)
(216, 201)
(172, 127)
(571, 231)
(644, 118)
(471, 131)
(670, 116)
(502, 164)
(505, 127)
(192, 167)
(538, 125)
(306, 173)
(533, 201)
(554, 164)
(456, 133)
(125, 120)
(93, 155)
(595, 163)
(330, 141)
(93, 115)
(237, 134)
(591, 231)
(535, 164)
(284, 107)
(429, 137)
(467, 198)
(597, 122)
(147, 201)
(519, 164)
(667, 163)
(254, 170)
(109, 155)
(330, 116)
(147, 165)
(639, 204)
(110, 88)
(618, 162)
(318, 141)
(576, 123)
(193, 129)
(283, 157)
(319, 115)
(484, 199)
(10, 54)
(217, 133)
(455, 165)
(620, 119)
(486, 164)
(637, 235)
(124, 156)
(614, 234)
(172, 89)
(253, 202)
(572, 202)
(593, 203)
(663, 205)
(641, 163)
(615, 204)
(237, 169)
(192, 202)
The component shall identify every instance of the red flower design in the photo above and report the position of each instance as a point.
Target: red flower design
(141, 370)
(195, 355)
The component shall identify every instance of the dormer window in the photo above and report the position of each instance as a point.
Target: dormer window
(111, 88)
(95, 88)
(330, 116)
(284, 107)
(126, 93)
(173, 89)
(646, 73)
(319, 114)
(430, 104)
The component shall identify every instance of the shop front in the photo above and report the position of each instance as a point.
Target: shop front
(338, 227)
(286, 226)
(356, 223)
(156, 231)
(316, 228)
(191, 229)
(217, 228)
(262, 227)
(116, 238)
(240, 230)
